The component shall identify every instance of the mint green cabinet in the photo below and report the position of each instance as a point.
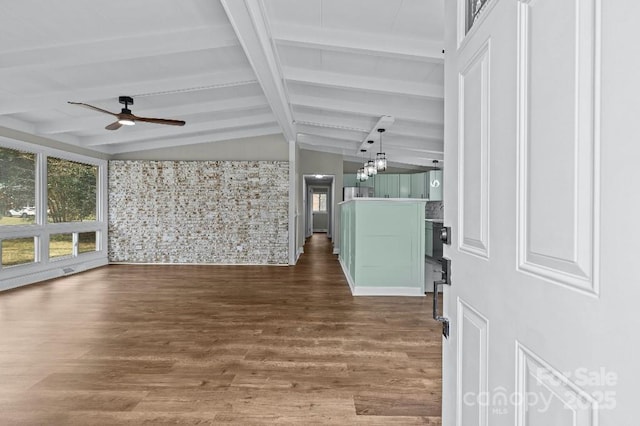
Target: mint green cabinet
(383, 263)
(418, 185)
(404, 188)
(387, 186)
(348, 180)
(435, 185)
(428, 239)
(393, 186)
(380, 187)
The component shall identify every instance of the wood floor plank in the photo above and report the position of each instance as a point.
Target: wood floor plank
(145, 344)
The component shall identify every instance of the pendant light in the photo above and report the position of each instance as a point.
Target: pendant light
(361, 174)
(381, 157)
(370, 166)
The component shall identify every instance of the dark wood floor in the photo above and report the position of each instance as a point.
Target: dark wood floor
(213, 345)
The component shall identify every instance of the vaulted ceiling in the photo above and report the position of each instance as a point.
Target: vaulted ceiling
(326, 73)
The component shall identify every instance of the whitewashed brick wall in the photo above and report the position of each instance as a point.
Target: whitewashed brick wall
(220, 212)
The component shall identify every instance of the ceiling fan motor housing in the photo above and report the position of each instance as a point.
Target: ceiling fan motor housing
(126, 100)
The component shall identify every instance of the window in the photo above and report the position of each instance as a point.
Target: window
(60, 245)
(17, 187)
(18, 251)
(53, 212)
(71, 191)
(320, 202)
(86, 242)
(474, 7)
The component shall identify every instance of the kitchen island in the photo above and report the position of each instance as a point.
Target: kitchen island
(382, 246)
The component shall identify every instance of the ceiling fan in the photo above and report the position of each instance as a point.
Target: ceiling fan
(126, 118)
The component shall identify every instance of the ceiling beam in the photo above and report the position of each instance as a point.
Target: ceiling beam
(432, 111)
(127, 135)
(123, 48)
(230, 134)
(58, 99)
(251, 26)
(353, 42)
(346, 146)
(181, 111)
(362, 83)
(358, 123)
(385, 122)
(331, 132)
(398, 157)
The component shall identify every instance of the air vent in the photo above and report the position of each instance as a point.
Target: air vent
(68, 271)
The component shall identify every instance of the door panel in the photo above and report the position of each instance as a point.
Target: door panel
(543, 299)
(473, 368)
(473, 170)
(557, 141)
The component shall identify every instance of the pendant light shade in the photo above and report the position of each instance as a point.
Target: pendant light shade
(371, 169)
(381, 157)
(361, 174)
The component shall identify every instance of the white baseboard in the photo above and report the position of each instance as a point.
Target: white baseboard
(388, 291)
(345, 271)
(336, 250)
(378, 291)
(56, 271)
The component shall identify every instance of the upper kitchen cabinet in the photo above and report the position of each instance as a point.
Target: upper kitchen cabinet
(349, 180)
(418, 185)
(404, 188)
(387, 186)
(434, 188)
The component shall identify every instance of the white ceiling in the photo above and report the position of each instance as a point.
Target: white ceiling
(321, 71)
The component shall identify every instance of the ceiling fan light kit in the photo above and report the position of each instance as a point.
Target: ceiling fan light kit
(126, 117)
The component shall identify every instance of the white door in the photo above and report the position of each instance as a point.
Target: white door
(542, 183)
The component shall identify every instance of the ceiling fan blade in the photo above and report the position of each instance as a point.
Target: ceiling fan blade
(114, 126)
(160, 121)
(93, 108)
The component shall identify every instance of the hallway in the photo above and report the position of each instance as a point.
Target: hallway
(217, 344)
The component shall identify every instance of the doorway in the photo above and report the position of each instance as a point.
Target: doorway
(319, 196)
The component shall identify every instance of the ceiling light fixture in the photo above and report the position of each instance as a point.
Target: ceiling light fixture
(126, 122)
(361, 174)
(370, 167)
(381, 157)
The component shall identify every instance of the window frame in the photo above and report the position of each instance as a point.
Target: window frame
(14, 276)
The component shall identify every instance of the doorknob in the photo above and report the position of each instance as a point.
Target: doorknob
(446, 280)
(445, 235)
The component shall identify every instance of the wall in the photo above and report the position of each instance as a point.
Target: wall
(220, 212)
(273, 148)
(312, 163)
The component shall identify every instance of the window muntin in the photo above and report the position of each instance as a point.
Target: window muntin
(17, 187)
